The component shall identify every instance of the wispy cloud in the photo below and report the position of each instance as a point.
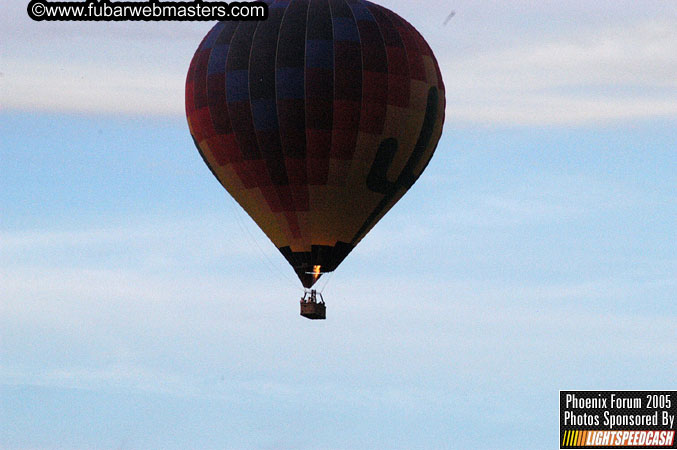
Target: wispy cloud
(618, 66)
(205, 235)
(67, 273)
(87, 87)
(210, 333)
(116, 377)
(476, 318)
(596, 75)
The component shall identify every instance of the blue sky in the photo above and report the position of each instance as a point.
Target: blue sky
(140, 309)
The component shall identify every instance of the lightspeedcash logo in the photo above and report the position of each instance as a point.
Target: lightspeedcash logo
(618, 419)
(618, 439)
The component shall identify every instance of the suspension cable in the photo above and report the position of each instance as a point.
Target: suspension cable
(269, 262)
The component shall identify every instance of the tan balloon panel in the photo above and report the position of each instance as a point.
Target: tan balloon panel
(316, 120)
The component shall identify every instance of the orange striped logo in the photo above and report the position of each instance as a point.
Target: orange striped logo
(574, 438)
(613, 439)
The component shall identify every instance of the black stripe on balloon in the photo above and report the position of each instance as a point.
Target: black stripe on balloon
(237, 90)
(216, 84)
(262, 95)
(319, 90)
(290, 86)
(329, 257)
(290, 102)
(202, 155)
(377, 180)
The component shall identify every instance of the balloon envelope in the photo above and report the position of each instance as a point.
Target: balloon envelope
(316, 120)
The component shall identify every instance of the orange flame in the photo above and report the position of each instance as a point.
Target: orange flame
(316, 272)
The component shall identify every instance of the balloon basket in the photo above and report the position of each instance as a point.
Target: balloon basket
(312, 308)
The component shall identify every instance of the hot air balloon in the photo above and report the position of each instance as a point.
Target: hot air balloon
(316, 120)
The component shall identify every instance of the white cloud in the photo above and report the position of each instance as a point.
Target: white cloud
(366, 340)
(205, 235)
(501, 63)
(216, 335)
(121, 377)
(592, 76)
(91, 88)
(71, 274)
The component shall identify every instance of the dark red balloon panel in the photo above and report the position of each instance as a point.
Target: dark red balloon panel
(316, 120)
